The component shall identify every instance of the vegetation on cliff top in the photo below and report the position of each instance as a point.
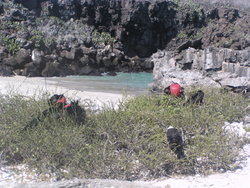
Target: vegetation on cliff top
(127, 143)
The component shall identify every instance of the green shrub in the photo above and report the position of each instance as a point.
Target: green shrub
(103, 37)
(40, 40)
(247, 129)
(192, 9)
(190, 5)
(11, 44)
(125, 143)
(13, 26)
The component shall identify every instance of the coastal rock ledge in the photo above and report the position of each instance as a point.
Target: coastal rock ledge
(89, 37)
(210, 67)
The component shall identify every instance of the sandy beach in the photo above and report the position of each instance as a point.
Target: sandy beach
(36, 86)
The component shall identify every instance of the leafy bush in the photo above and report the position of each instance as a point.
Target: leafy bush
(40, 40)
(125, 143)
(103, 37)
(188, 5)
(12, 26)
(11, 44)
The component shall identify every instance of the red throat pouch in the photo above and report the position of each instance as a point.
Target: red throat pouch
(175, 89)
(62, 100)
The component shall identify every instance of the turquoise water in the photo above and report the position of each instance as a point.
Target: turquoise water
(129, 83)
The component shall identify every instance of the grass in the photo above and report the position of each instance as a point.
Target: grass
(247, 129)
(126, 143)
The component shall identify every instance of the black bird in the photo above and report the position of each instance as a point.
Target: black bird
(58, 107)
(175, 141)
(246, 92)
(196, 98)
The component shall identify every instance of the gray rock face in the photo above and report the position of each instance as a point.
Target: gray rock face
(212, 67)
(136, 23)
(30, 4)
(1, 9)
(62, 29)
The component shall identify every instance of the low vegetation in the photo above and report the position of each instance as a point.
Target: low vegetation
(102, 38)
(11, 44)
(126, 143)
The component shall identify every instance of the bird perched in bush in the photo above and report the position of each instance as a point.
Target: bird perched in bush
(196, 98)
(175, 141)
(246, 92)
(58, 108)
(174, 89)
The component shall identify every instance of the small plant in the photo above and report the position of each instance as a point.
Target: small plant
(193, 10)
(182, 35)
(11, 44)
(102, 38)
(188, 4)
(247, 129)
(40, 40)
(37, 38)
(56, 20)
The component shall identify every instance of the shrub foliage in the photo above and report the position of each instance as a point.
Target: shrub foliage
(126, 143)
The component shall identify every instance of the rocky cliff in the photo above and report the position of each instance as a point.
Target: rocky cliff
(209, 67)
(88, 37)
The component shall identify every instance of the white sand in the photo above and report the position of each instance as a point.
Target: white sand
(238, 179)
(36, 86)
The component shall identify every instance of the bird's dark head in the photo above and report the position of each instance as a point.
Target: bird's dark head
(57, 100)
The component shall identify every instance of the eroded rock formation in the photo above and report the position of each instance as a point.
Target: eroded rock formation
(58, 38)
(210, 67)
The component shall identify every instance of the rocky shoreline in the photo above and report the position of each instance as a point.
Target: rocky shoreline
(58, 38)
(208, 68)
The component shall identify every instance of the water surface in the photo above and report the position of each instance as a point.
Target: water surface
(125, 83)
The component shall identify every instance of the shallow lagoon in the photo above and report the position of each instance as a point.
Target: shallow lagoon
(125, 83)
